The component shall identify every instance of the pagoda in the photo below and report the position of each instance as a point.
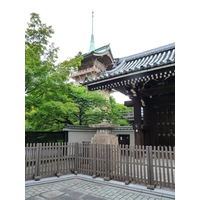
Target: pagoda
(95, 62)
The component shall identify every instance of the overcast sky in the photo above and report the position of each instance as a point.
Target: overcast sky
(129, 26)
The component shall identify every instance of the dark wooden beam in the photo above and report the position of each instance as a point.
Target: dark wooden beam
(129, 103)
(121, 90)
(161, 100)
(139, 137)
(127, 79)
(157, 90)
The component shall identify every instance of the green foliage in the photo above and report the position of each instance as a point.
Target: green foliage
(46, 102)
(117, 113)
(40, 56)
(90, 106)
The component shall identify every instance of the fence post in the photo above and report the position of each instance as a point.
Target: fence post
(94, 146)
(76, 158)
(127, 166)
(151, 184)
(38, 162)
(107, 163)
(58, 174)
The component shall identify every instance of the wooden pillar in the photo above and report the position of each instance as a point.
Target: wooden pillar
(147, 125)
(94, 152)
(76, 150)
(107, 162)
(139, 138)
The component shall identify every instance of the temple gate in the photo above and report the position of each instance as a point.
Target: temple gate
(148, 78)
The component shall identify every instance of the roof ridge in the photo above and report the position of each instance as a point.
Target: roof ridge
(148, 52)
(108, 45)
(100, 48)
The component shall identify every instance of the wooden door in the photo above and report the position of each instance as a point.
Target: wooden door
(124, 139)
(165, 125)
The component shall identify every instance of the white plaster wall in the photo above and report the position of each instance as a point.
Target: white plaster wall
(80, 136)
(86, 136)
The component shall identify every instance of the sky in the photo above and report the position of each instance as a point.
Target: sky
(129, 27)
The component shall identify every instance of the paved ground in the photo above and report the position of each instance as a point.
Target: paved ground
(79, 189)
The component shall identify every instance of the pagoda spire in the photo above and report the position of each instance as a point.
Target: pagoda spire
(92, 47)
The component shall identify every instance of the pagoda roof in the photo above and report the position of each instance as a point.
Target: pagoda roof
(154, 58)
(99, 51)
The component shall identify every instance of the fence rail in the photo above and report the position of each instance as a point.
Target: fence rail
(138, 164)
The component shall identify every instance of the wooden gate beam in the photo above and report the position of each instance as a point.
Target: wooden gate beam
(139, 138)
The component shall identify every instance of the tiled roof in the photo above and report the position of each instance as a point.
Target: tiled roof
(100, 50)
(149, 59)
(82, 127)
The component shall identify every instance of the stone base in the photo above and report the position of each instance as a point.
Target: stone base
(127, 182)
(134, 182)
(58, 174)
(104, 139)
(37, 178)
(111, 177)
(151, 187)
(106, 178)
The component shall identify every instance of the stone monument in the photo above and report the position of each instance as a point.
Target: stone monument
(104, 134)
(105, 153)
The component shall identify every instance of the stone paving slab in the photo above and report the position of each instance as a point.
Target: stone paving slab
(80, 189)
(36, 198)
(52, 194)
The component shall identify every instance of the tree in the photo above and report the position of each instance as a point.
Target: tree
(46, 87)
(40, 57)
(90, 107)
(77, 106)
(117, 112)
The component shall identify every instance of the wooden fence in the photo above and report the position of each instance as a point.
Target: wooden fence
(137, 164)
